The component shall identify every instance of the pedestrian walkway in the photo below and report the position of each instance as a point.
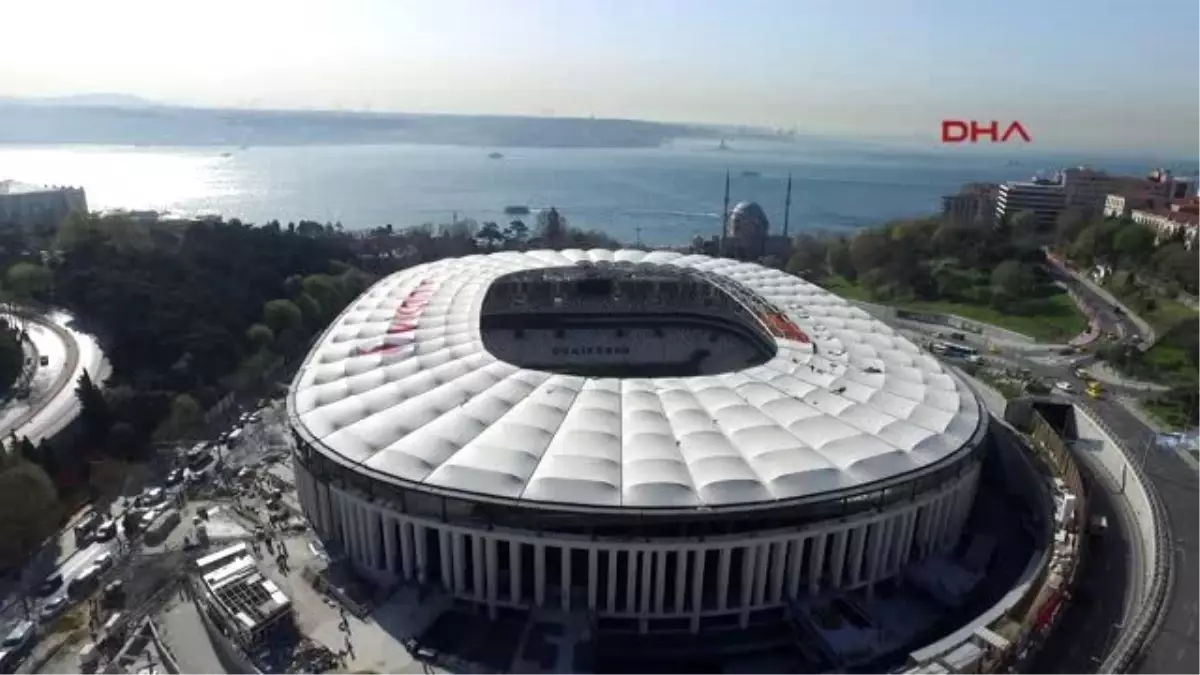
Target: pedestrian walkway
(1135, 409)
(182, 630)
(1105, 373)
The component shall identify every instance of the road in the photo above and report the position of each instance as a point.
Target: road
(1111, 319)
(1175, 648)
(52, 403)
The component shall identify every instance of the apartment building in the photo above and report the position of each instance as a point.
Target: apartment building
(1045, 198)
(974, 205)
(27, 206)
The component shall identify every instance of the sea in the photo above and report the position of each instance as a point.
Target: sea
(657, 196)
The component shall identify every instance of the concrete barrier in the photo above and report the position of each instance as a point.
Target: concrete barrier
(1103, 450)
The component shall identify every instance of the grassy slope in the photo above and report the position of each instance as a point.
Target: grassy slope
(1051, 319)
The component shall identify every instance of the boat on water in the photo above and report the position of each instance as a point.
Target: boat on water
(751, 174)
(516, 210)
(723, 145)
(495, 155)
(227, 154)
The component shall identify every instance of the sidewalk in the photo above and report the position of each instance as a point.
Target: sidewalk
(1105, 373)
(1135, 409)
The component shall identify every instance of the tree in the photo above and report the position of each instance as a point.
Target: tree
(12, 356)
(1069, 223)
(490, 233)
(1133, 244)
(1011, 281)
(95, 416)
(838, 260)
(869, 250)
(27, 281)
(808, 257)
(29, 511)
(186, 414)
(282, 315)
(552, 227)
(517, 231)
(260, 336)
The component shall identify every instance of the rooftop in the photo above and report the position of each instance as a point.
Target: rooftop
(240, 590)
(400, 388)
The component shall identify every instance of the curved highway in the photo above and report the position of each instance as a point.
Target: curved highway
(52, 404)
(1174, 648)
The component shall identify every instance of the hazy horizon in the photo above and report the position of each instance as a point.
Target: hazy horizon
(1102, 76)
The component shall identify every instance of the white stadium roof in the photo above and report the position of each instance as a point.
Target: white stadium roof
(428, 405)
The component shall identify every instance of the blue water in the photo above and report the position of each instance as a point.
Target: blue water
(664, 195)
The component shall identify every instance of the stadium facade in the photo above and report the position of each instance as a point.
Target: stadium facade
(660, 440)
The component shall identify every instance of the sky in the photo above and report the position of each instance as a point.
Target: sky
(1094, 74)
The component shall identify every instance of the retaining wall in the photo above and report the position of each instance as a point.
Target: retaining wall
(1102, 449)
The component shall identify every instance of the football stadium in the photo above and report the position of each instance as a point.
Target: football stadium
(658, 441)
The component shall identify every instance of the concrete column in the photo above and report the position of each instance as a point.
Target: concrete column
(514, 571)
(539, 574)
(459, 549)
(631, 581)
(723, 563)
(763, 560)
(614, 557)
(565, 583)
(406, 548)
(342, 507)
(660, 581)
(898, 542)
(493, 576)
(681, 569)
(356, 531)
(593, 574)
(422, 546)
(906, 541)
(322, 518)
(446, 556)
(647, 590)
(389, 545)
(698, 557)
(778, 569)
(880, 534)
(795, 567)
(478, 568)
(749, 565)
(374, 536)
(943, 527)
(858, 540)
(932, 510)
(837, 563)
(816, 563)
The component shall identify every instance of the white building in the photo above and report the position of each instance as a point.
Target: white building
(26, 206)
(686, 502)
(1044, 198)
(1177, 222)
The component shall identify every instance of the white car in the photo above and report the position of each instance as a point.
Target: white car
(1065, 387)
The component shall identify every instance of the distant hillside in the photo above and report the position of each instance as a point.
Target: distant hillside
(135, 122)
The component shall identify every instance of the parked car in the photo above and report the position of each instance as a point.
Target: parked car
(52, 608)
(17, 645)
(106, 530)
(104, 561)
(50, 584)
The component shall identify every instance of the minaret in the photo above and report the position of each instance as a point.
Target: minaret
(787, 207)
(724, 215)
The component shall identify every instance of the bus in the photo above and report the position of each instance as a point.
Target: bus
(954, 350)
